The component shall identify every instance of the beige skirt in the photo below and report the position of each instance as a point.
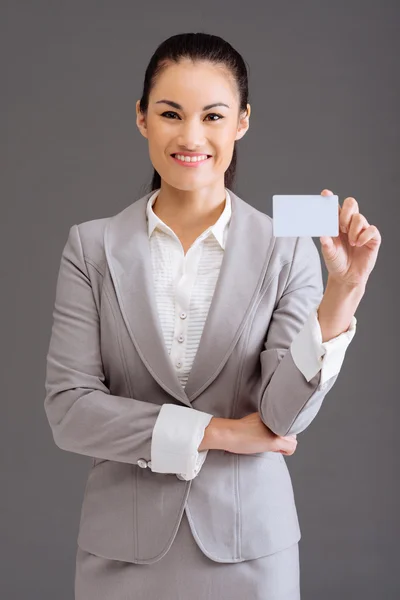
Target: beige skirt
(185, 572)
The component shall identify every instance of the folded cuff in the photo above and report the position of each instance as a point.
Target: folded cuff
(311, 354)
(176, 437)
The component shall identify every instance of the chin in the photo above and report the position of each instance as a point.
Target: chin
(185, 184)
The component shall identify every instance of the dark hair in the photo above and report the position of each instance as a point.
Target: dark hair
(197, 46)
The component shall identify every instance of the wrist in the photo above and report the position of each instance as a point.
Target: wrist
(343, 288)
(218, 434)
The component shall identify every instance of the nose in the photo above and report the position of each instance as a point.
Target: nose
(191, 135)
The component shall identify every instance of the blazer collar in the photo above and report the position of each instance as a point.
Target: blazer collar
(244, 264)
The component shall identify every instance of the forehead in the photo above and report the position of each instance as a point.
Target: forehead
(196, 83)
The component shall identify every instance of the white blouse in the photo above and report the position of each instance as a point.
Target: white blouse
(184, 287)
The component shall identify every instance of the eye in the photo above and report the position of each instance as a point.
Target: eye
(168, 112)
(171, 112)
(216, 115)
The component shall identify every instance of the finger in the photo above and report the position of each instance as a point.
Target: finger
(288, 444)
(349, 208)
(371, 233)
(358, 224)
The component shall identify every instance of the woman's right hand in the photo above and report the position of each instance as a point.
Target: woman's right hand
(250, 435)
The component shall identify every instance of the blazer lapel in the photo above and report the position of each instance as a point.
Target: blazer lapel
(242, 271)
(241, 275)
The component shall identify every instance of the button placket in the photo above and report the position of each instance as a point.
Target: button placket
(181, 306)
(180, 334)
(183, 292)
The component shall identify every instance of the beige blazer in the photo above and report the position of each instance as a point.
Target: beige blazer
(108, 373)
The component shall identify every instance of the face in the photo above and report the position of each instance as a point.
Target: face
(192, 127)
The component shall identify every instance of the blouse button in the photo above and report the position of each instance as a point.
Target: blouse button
(142, 463)
(183, 315)
(178, 363)
(181, 338)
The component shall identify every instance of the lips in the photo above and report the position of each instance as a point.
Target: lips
(190, 164)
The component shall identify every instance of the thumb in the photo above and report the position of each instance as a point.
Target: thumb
(326, 242)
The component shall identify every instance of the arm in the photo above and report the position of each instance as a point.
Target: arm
(84, 416)
(298, 369)
(337, 309)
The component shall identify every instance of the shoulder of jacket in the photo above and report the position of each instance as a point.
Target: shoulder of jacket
(91, 234)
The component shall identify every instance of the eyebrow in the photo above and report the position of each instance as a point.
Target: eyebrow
(179, 107)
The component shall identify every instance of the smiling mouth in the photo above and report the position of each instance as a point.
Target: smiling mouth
(190, 163)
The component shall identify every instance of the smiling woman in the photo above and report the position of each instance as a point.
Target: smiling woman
(135, 296)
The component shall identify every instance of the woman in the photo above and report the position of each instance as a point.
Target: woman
(169, 357)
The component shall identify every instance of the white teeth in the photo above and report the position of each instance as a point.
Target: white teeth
(191, 158)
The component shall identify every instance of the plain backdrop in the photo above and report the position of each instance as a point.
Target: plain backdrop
(324, 91)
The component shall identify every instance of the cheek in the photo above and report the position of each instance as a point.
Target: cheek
(224, 143)
(158, 133)
(157, 145)
(225, 151)
(157, 137)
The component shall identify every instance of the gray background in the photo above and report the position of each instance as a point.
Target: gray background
(324, 91)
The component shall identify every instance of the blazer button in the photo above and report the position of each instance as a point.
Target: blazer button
(142, 463)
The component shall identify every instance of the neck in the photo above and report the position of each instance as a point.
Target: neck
(187, 209)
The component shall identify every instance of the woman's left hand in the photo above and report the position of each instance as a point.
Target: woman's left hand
(347, 263)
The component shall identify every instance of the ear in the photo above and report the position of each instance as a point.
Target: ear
(243, 123)
(141, 120)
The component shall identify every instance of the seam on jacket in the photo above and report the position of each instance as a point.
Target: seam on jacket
(204, 549)
(264, 288)
(86, 267)
(121, 349)
(291, 266)
(135, 536)
(238, 521)
(93, 264)
(236, 466)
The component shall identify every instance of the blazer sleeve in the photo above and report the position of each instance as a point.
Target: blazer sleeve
(294, 378)
(83, 415)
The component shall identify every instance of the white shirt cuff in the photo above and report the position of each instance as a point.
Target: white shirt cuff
(176, 437)
(310, 354)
